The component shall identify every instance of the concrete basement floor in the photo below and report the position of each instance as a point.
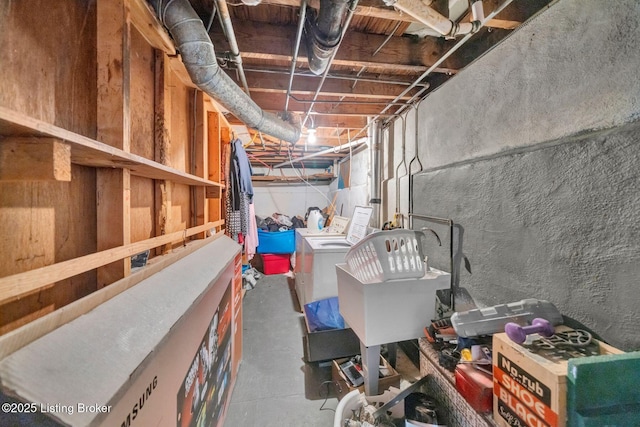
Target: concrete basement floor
(275, 387)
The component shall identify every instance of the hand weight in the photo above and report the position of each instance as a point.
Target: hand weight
(518, 334)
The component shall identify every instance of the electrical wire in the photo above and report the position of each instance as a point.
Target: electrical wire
(295, 170)
(326, 398)
(270, 169)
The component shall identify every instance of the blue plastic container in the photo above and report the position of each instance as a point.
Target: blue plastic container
(276, 242)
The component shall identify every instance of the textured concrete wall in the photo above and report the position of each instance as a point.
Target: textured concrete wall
(571, 69)
(558, 223)
(534, 150)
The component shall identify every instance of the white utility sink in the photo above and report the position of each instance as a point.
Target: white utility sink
(391, 311)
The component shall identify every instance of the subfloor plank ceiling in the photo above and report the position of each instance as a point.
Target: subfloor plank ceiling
(386, 61)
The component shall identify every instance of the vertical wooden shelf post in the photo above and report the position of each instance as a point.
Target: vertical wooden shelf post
(113, 128)
(201, 166)
(162, 149)
(214, 160)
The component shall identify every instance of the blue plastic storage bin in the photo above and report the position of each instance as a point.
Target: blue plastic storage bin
(276, 242)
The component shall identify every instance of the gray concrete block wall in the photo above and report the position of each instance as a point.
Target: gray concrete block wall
(534, 151)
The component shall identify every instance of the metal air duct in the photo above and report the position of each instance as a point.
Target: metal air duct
(324, 33)
(199, 58)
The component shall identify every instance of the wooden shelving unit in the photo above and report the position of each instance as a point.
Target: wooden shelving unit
(108, 152)
(88, 152)
(107, 149)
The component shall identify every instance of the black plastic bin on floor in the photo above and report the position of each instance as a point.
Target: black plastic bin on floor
(328, 344)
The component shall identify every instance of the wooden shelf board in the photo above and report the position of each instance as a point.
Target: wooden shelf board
(88, 152)
(18, 285)
(309, 178)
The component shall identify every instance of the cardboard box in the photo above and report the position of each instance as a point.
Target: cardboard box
(158, 353)
(530, 388)
(603, 390)
(344, 386)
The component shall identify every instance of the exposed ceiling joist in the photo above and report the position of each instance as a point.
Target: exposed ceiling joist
(383, 53)
(267, 42)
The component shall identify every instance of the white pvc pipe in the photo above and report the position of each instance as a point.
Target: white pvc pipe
(436, 21)
(323, 152)
(426, 15)
(477, 11)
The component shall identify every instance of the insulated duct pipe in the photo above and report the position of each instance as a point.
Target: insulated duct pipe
(199, 58)
(421, 11)
(345, 26)
(324, 33)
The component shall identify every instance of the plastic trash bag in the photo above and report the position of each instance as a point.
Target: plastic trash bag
(297, 222)
(324, 315)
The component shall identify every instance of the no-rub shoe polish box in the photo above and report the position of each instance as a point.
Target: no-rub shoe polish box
(530, 382)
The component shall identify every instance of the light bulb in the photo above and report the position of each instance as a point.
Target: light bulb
(311, 136)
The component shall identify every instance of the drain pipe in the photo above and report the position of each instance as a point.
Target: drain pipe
(421, 11)
(324, 33)
(376, 133)
(227, 26)
(296, 49)
(415, 157)
(198, 55)
(402, 163)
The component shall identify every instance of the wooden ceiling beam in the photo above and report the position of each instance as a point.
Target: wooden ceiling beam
(376, 9)
(275, 102)
(367, 8)
(307, 85)
(258, 40)
(325, 121)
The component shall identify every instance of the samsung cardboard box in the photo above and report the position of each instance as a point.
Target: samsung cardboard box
(159, 353)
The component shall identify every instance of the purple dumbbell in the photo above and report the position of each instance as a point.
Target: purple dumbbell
(519, 333)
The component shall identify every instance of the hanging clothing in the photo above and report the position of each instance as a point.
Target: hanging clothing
(239, 192)
(251, 241)
(243, 168)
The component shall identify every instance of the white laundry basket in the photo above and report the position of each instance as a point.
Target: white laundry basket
(351, 401)
(387, 255)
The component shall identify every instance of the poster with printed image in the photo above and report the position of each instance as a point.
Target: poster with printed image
(203, 392)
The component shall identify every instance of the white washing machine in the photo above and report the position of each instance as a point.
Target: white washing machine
(302, 234)
(321, 254)
(317, 253)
